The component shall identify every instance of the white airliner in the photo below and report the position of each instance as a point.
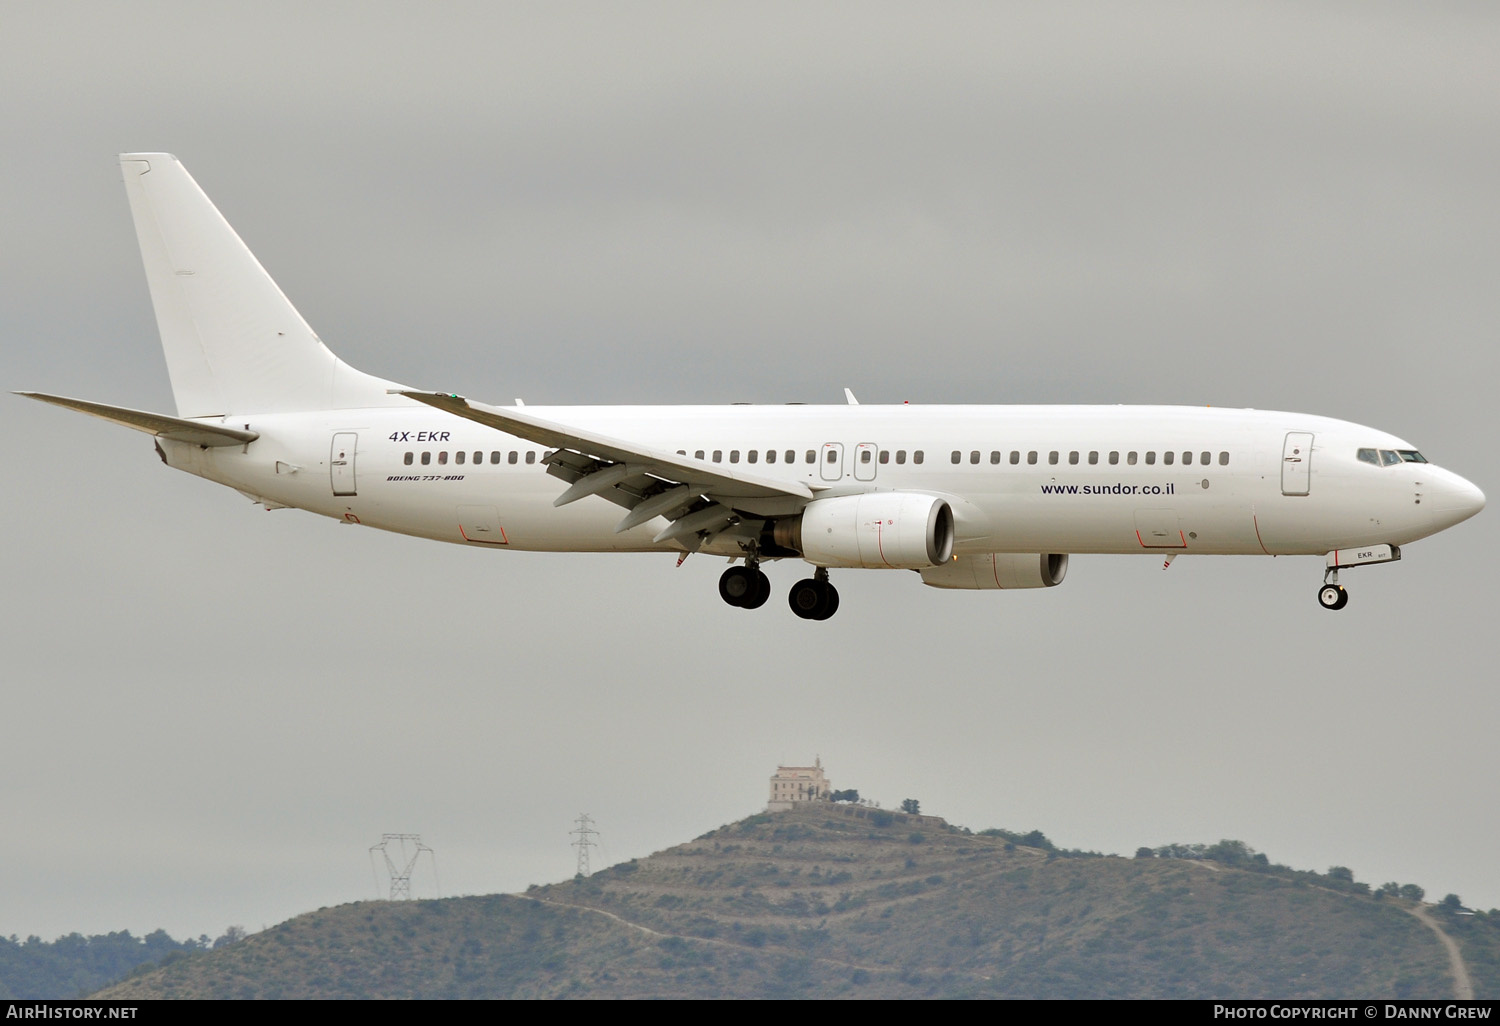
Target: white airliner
(969, 497)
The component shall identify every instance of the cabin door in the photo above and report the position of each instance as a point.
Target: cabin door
(1296, 463)
(341, 463)
(865, 454)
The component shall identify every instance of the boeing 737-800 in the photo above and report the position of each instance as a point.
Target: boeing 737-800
(969, 497)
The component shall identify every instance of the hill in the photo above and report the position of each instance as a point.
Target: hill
(835, 901)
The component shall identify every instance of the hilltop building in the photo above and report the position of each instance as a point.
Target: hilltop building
(791, 785)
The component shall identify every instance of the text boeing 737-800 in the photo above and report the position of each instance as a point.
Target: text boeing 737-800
(971, 497)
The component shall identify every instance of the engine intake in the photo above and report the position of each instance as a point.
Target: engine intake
(991, 570)
(901, 530)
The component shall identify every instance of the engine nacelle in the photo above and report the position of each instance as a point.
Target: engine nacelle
(1000, 570)
(902, 530)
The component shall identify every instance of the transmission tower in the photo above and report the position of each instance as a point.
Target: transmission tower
(399, 867)
(585, 833)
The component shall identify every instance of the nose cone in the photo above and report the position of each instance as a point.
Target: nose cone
(1453, 500)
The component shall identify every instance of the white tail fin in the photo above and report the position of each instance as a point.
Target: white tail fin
(234, 343)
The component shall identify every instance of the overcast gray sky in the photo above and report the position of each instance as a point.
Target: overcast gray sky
(211, 712)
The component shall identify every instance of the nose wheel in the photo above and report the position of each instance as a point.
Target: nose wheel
(745, 586)
(1332, 595)
(814, 598)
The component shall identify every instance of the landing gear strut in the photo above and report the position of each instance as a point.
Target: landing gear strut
(814, 598)
(745, 586)
(1332, 595)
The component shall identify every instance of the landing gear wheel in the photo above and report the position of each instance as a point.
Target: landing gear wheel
(759, 593)
(805, 598)
(813, 599)
(1332, 596)
(745, 587)
(737, 585)
(830, 602)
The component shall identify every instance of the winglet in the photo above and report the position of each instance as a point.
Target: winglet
(849, 397)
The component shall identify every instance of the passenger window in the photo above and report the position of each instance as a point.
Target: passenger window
(900, 456)
(957, 456)
(479, 457)
(718, 455)
(864, 455)
(1093, 457)
(1052, 457)
(1187, 459)
(734, 455)
(458, 458)
(1114, 457)
(426, 458)
(1151, 458)
(812, 457)
(1223, 459)
(443, 457)
(995, 456)
(833, 455)
(1031, 457)
(511, 459)
(1130, 457)
(885, 455)
(791, 457)
(918, 456)
(531, 457)
(698, 454)
(682, 452)
(770, 455)
(1203, 458)
(974, 456)
(752, 455)
(1168, 456)
(1015, 457)
(407, 459)
(1073, 458)
(494, 457)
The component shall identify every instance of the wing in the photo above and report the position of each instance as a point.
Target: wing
(700, 498)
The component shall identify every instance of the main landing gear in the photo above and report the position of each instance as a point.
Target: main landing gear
(747, 587)
(814, 598)
(1332, 595)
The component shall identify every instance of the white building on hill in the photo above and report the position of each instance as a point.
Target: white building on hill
(793, 784)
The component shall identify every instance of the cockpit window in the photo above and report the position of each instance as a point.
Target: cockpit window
(1390, 457)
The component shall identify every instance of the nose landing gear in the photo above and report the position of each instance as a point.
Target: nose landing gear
(1332, 595)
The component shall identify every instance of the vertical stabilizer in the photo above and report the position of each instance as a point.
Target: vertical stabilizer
(234, 343)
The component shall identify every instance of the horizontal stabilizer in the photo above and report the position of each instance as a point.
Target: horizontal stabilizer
(175, 428)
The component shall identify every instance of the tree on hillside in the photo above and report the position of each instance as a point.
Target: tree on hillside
(850, 795)
(912, 806)
(1412, 892)
(1343, 873)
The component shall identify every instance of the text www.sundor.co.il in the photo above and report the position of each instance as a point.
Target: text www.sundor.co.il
(1109, 489)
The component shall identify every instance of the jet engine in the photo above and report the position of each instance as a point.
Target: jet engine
(903, 530)
(999, 570)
